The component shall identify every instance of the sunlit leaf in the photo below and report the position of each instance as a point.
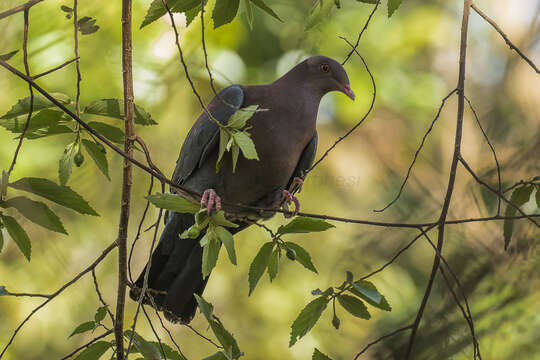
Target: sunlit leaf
(307, 318)
(246, 145)
(210, 254)
(368, 288)
(157, 9)
(17, 233)
(61, 195)
(114, 108)
(40, 102)
(96, 153)
(224, 12)
(218, 218)
(37, 212)
(94, 351)
(302, 224)
(302, 256)
(84, 327)
(226, 239)
(224, 138)
(354, 306)
(173, 202)
(519, 197)
(259, 264)
(241, 116)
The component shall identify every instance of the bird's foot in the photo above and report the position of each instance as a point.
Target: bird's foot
(289, 198)
(296, 185)
(209, 199)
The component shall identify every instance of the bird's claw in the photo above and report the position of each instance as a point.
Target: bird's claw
(296, 185)
(288, 198)
(209, 199)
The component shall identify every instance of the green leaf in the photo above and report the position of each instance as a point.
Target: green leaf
(307, 318)
(37, 212)
(354, 306)
(169, 352)
(210, 254)
(226, 239)
(368, 1)
(238, 120)
(18, 235)
(217, 356)
(8, 55)
(40, 102)
(157, 9)
(41, 120)
(273, 264)
(4, 181)
(191, 14)
(249, 13)
(519, 197)
(245, 144)
(537, 197)
(218, 218)
(224, 138)
(112, 133)
(100, 314)
(61, 195)
(317, 355)
(392, 6)
(261, 5)
(48, 131)
(302, 224)
(87, 25)
(147, 349)
(302, 256)
(372, 290)
(235, 152)
(94, 351)
(224, 12)
(84, 327)
(257, 267)
(96, 153)
(205, 307)
(114, 108)
(173, 202)
(65, 165)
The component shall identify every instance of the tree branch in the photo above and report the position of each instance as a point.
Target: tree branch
(20, 8)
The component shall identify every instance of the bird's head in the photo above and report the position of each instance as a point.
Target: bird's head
(326, 74)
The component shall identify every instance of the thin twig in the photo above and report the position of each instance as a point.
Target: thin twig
(506, 39)
(154, 306)
(205, 51)
(155, 332)
(86, 345)
(8, 293)
(54, 69)
(382, 338)
(100, 297)
(453, 172)
(19, 8)
(361, 33)
(57, 292)
(418, 152)
(202, 336)
(77, 59)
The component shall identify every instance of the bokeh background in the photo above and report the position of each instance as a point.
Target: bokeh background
(413, 57)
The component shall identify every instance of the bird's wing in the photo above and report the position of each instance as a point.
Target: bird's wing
(306, 159)
(203, 137)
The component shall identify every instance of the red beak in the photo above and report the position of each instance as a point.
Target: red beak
(348, 91)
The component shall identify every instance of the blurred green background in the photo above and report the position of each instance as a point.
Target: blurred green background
(413, 57)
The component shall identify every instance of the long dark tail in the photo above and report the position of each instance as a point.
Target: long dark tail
(175, 273)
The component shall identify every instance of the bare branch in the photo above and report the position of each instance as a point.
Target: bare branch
(395, 332)
(19, 8)
(506, 39)
(86, 345)
(96, 286)
(361, 33)
(54, 68)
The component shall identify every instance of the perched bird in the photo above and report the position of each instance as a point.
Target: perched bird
(285, 138)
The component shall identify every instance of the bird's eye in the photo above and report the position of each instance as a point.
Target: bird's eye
(325, 68)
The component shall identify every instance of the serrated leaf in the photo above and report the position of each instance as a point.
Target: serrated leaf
(84, 327)
(173, 202)
(317, 355)
(42, 119)
(273, 264)
(19, 236)
(238, 120)
(354, 306)
(302, 224)
(307, 318)
(235, 151)
(224, 138)
(96, 153)
(112, 133)
(8, 55)
(302, 256)
(204, 306)
(147, 349)
(61, 195)
(257, 267)
(246, 145)
(262, 5)
(100, 314)
(381, 304)
(392, 6)
(94, 351)
(224, 12)
(226, 239)
(218, 218)
(114, 108)
(368, 290)
(519, 197)
(40, 102)
(225, 338)
(210, 254)
(65, 165)
(37, 212)
(191, 14)
(48, 131)
(157, 10)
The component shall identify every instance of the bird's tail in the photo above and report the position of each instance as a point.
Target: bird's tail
(175, 272)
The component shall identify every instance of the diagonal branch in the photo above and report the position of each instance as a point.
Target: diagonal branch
(353, 50)
(23, 7)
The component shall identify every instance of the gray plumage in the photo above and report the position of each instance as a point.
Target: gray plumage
(286, 141)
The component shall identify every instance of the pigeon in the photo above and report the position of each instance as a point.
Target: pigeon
(285, 139)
